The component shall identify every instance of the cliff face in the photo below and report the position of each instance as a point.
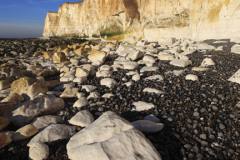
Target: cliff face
(149, 19)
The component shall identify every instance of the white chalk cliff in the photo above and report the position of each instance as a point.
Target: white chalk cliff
(148, 19)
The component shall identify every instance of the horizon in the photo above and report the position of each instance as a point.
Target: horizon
(26, 19)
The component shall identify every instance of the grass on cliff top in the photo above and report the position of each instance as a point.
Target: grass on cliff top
(108, 33)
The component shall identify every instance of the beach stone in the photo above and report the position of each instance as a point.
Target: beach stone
(4, 84)
(88, 88)
(235, 77)
(110, 136)
(44, 121)
(69, 92)
(4, 122)
(24, 132)
(4, 140)
(80, 80)
(148, 126)
(149, 59)
(96, 55)
(88, 67)
(207, 62)
(5, 92)
(141, 106)
(107, 95)
(24, 113)
(129, 83)
(235, 49)
(104, 73)
(134, 55)
(199, 69)
(155, 77)
(152, 90)
(38, 151)
(48, 54)
(152, 118)
(109, 82)
(36, 88)
(132, 40)
(13, 98)
(68, 73)
(21, 85)
(181, 62)
(166, 57)
(52, 133)
(81, 72)
(130, 65)
(136, 77)
(64, 69)
(64, 86)
(59, 57)
(68, 78)
(105, 68)
(149, 69)
(81, 94)
(82, 118)
(191, 77)
(93, 95)
(81, 102)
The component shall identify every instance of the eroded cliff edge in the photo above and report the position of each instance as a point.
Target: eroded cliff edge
(149, 19)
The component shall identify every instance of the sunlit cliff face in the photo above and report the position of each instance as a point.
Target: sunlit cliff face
(148, 19)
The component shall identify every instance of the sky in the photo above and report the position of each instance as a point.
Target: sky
(25, 18)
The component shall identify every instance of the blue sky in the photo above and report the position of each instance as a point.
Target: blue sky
(25, 18)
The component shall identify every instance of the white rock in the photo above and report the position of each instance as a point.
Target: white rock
(69, 92)
(200, 69)
(24, 132)
(166, 57)
(136, 77)
(148, 126)
(104, 73)
(131, 73)
(235, 49)
(109, 82)
(88, 88)
(24, 113)
(129, 83)
(216, 42)
(220, 48)
(81, 102)
(70, 73)
(181, 62)
(93, 95)
(64, 86)
(152, 90)
(110, 137)
(147, 69)
(191, 77)
(155, 77)
(141, 106)
(149, 59)
(52, 133)
(152, 118)
(69, 78)
(44, 121)
(5, 92)
(141, 62)
(132, 40)
(235, 77)
(82, 118)
(81, 94)
(80, 80)
(107, 95)
(142, 43)
(207, 62)
(38, 151)
(105, 68)
(81, 72)
(134, 55)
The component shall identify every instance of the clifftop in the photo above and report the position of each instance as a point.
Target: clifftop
(196, 19)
